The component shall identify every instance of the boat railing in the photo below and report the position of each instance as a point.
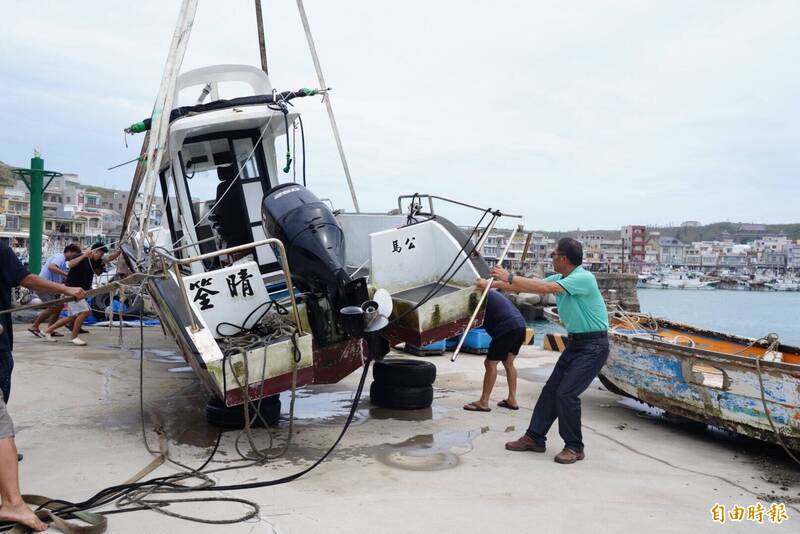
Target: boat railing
(430, 198)
(178, 262)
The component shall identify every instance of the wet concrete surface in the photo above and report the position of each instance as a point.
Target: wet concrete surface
(441, 469)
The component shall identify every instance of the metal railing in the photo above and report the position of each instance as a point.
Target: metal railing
(177, 262)
(444, 199)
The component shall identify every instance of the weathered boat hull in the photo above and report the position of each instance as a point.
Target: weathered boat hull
(706, 376)
(719, 390)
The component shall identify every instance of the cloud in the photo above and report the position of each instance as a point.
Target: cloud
(586, 114)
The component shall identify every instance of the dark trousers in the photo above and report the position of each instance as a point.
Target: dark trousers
(6, 365)
(576, 368)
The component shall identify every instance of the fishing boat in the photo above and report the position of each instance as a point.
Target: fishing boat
(263, 285)
(744, 385)
(676, 280)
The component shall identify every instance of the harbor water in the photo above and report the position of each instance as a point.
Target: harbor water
(745, 313)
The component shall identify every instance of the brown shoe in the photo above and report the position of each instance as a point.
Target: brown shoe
(568, 456)
(525, 443)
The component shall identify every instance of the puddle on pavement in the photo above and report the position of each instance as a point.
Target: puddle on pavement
(324, 407)
(182, 415)
(432, 452)
(425, 414)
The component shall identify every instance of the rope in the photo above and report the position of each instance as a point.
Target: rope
(772, 340)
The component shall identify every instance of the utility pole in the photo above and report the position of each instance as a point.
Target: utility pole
(34, 181)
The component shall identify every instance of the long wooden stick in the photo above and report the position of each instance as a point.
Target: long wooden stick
(107, 288)
(483, 297)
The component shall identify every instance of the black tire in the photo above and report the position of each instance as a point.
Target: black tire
(218, 414)
(400, 397)
(401, 372)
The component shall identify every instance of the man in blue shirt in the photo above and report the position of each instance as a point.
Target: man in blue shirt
(12, 273)
(506, 326)
(583, 313)
(55, 270)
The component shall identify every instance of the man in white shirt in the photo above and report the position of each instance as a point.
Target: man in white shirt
(55, 270)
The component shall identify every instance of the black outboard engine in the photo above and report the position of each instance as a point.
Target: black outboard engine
(313, 240)
(315, 251)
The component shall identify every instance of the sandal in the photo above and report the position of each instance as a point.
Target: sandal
(35, 332)
(472, 407)
(56, 334)
(505, 404)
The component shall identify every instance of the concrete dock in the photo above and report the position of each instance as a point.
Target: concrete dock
(437, 470)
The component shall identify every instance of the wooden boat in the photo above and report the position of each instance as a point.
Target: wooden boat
(731, 382)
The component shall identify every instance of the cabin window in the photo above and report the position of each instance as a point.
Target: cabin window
(245, 157)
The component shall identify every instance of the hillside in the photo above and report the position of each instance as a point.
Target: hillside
(688, 234)
(6, 178)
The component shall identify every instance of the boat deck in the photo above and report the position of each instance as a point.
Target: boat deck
(418, 293)
(694, 339)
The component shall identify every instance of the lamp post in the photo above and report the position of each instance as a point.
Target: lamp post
(34, 181)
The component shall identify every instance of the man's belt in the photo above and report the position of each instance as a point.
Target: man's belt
(601, 334)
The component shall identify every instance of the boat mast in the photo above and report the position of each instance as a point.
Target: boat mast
(262, 47)
(157, 142)
(327, 99)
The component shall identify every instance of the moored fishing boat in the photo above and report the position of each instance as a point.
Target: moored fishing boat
(744, 385)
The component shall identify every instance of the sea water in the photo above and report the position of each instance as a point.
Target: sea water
(744, 313)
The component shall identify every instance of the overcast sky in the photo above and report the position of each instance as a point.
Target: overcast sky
(575, 114)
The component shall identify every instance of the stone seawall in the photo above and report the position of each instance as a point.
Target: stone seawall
(616, 288)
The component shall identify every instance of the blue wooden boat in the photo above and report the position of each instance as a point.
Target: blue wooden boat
(744, 385)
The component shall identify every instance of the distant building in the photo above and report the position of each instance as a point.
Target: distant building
(634, 238)
(518, 259)
(747, 232)
(793, 256)
(673, 252)
(690, 224)
(73, 213)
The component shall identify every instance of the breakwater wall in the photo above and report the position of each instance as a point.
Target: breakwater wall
(616, 289)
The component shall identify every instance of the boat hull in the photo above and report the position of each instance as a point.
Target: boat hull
(723, 391)
(706, 376)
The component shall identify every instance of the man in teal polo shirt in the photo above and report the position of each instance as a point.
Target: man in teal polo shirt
(583, 313)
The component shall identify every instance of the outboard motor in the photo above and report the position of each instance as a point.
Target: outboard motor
(313, 240)
(315, 250)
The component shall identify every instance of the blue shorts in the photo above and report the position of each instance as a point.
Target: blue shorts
(508, 343)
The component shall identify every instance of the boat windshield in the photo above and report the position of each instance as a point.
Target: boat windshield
(225, 178)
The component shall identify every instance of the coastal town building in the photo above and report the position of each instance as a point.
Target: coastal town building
(73, 213)
(634, 239)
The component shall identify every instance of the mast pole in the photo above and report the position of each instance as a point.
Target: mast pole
(327, 99)
(262, 47)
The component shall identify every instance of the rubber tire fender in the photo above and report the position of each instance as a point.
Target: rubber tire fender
(400, 397)
(404, 372)
(218, 414)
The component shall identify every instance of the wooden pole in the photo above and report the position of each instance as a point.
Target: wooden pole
(262, 47)
(483, 297)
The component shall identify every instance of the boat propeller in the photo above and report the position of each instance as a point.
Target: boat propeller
(366, 322)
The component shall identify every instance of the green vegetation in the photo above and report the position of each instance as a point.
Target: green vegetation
(6, 178)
